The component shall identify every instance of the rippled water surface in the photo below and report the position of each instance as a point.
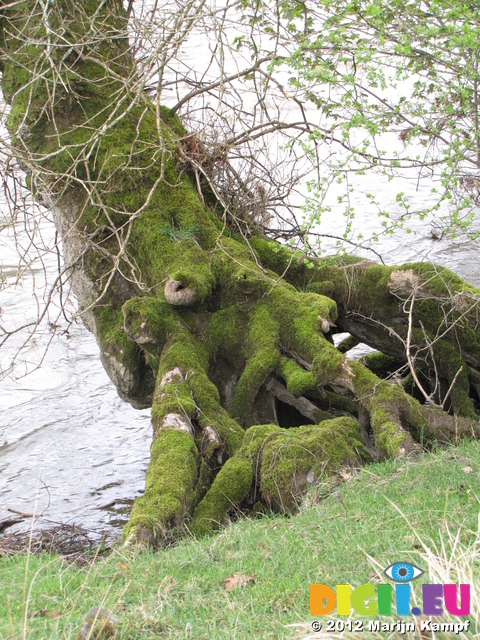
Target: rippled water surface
(70, 448)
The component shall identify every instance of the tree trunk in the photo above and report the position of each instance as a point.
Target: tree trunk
(228, 338)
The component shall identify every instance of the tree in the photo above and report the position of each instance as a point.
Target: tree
(226, 333)
(406, 69)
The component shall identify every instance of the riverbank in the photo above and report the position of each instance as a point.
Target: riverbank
(251, 579)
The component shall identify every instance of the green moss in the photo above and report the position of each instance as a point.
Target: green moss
(327, 364)
(389, 438)
(389, 407)
(148, 320)
(188, 262)
(172, 122)
(172, 398)
(298, 380)
(184, 351)
(229, 488)
(262, 355)
(381, 364)
(300, 326)
(324, 288)
(347, 344)
(237, 273)
(284, 462)
(297, 458)
(272, 255)
(323, 306)
(439, 280)
(226, 334)
(255, 440)
(169, 485)
(210, 412)
(197, 395)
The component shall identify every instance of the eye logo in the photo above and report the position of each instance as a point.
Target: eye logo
(403, 572)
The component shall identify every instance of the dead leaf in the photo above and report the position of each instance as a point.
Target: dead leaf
(345, 474)
(45, 613)
(467, 470)
(54, 613)
(122, 567)
(238, 580)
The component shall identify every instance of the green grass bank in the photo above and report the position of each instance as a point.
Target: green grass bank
(350, 529)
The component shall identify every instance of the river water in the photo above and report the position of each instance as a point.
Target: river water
(70, 450)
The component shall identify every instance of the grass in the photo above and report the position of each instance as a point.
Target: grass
(350, 529)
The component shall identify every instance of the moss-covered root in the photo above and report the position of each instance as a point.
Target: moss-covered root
(393, 416)
(262, 356)
(283, 463)
(170, 480)
(396, 419)
(449, 362)
(174, 461)
(229, 488)
(294, 459)
(301, 332)
(399, 422)
(192, 433)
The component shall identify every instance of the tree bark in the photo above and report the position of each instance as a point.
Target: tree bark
(228, 338)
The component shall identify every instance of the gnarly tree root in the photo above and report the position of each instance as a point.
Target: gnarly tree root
(192, 434)
(279, 465)
(191, 429)
(381, 305)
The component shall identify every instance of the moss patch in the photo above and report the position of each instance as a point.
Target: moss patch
(170, 480)
(283, 463)
(229, 488)
(294, 459)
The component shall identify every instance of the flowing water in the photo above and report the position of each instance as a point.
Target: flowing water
(71, 451)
